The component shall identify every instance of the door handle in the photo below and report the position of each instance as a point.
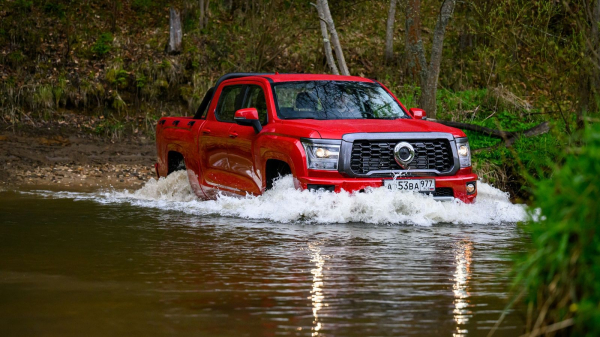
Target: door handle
(233, 135)
(206, 131)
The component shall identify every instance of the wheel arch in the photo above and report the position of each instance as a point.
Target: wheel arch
(175, 161)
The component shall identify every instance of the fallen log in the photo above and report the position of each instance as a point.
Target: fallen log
(509, 137)
(477, 128)
(537, 130)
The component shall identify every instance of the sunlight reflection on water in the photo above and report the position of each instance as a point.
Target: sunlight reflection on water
(317, 285)
(462, 256)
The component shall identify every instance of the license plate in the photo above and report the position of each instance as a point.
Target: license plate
(417, 185)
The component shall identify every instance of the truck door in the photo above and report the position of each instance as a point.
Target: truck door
(242, 156)
(214, 141)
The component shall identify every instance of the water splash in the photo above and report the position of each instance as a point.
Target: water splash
(285, 204)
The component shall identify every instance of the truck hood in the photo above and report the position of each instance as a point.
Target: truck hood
(335, 129)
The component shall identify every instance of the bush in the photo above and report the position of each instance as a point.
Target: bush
(560, 275)
(141, 5)
(102, 45)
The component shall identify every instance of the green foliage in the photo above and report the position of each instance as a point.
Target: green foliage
(466, 100)
(16, 58)
(43, 97)
(140, 81)
(23, 5)
(561, 272)
(407, 94)
(103, 45)
(530, 48)
(141, 5)
(55, 8)
(118, 104)
(189, 22)
(112, 128)
(59, 90)
(117, 77)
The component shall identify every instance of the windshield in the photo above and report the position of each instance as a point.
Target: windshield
(335, 100)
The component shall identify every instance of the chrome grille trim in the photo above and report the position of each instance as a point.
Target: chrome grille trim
(349, 139)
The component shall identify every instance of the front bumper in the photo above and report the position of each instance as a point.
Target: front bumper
(458, 183)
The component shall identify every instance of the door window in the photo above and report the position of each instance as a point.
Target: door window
(255, 98)
(230, 101)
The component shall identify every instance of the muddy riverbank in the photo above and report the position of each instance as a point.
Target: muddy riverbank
(65, 158)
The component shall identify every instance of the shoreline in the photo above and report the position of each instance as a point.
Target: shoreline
(74, 162)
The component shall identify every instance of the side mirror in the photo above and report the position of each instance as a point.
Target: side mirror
(248, 117)
(418, 113)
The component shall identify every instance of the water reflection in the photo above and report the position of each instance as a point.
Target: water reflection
(462, 256)
(317, 285)
(216, 276)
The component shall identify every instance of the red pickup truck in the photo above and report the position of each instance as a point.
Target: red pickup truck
(330, 132)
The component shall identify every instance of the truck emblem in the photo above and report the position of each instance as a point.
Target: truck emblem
(404, 154)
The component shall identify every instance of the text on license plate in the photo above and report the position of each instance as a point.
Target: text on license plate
(410, 184)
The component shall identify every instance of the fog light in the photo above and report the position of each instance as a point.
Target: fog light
(314, 187)
(471, 187)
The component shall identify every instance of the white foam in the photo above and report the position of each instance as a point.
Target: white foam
(285, 204)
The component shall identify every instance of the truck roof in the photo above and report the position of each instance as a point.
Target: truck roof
(314, 77)
(276, 77)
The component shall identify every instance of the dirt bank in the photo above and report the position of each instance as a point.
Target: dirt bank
(68, 159)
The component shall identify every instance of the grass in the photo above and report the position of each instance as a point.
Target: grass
(506, 168)
(559, 277)
(43, 97)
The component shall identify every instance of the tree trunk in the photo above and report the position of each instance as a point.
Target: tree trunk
(334, 38)
(174, 45)
(594, 54)
(113, 26)
(206, 13)
(389, 32)
(427, 101)
(415, 53)
(202, 14)
(589, 76)
(326, 42)
(594, 37)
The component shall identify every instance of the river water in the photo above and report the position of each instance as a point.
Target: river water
(289, 263)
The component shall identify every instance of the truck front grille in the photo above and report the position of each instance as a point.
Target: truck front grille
(377, 155)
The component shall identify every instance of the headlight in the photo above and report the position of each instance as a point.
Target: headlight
(322, 154)
(464, 152)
